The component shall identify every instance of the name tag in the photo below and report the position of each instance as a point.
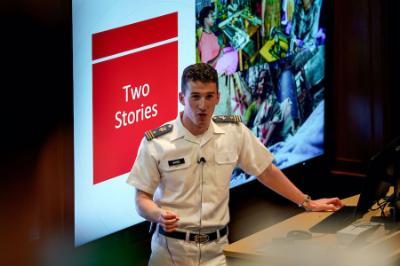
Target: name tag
(176, 162)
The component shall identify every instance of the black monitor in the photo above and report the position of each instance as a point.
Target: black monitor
(383, 172)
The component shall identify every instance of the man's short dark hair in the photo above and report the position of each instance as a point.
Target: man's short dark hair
(204, 13)
(198, 72)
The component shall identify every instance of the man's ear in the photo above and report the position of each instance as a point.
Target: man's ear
(218, 97)
(182, 98)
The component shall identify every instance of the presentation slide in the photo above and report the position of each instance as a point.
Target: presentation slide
(127, 59)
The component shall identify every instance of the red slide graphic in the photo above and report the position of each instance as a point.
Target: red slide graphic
(135, 82)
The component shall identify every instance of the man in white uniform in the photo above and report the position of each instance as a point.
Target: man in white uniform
(182, 175)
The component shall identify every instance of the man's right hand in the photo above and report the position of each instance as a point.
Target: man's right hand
(168, 220)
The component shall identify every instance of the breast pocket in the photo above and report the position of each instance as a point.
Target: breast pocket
(174, 172)
(225, 162)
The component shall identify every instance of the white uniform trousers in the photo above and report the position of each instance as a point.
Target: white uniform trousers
(167, 251)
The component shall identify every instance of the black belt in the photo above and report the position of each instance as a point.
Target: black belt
(198, 238)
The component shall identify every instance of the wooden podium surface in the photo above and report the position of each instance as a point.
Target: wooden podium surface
(271, 246)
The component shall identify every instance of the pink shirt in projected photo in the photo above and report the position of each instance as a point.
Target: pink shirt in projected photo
(209, 49)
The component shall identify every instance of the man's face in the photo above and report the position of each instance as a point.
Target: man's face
(199, 103)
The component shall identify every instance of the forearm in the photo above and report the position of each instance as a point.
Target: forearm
(149, 210)
(274, 179)
(146, 207)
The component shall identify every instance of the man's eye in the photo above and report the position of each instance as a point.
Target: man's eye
(196, 97)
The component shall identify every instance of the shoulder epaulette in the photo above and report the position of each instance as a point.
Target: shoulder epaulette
(227, 119)
(155, 133)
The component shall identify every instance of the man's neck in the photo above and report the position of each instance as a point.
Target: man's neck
(193, 128)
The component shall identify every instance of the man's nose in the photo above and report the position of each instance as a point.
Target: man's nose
(202, 103)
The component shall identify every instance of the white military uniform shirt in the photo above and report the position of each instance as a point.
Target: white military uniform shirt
(168, 167)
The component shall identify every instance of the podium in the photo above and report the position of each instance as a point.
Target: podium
(270, 246)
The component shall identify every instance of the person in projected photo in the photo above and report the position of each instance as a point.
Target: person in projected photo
(259, 96)
(268, 120)
(304, 27)
(223, 59)
(268, 115)
(305, 37)
(182, 172)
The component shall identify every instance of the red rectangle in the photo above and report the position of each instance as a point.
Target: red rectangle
(135, 35)
(131, 94)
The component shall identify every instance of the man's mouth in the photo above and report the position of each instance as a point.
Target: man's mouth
(202, 115)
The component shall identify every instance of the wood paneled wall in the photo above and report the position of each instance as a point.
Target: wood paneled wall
(363, 112)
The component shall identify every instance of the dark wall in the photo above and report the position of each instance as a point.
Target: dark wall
(37, 146)
(36, 117)
(365, 89)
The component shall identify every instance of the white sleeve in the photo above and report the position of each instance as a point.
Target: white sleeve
(144, 174)
(254, 157)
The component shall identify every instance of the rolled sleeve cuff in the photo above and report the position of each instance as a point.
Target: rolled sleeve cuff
(145, 188)
(266, 163)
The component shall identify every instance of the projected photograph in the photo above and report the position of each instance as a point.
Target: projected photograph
(270, 57)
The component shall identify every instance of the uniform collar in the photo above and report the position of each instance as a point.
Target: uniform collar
(216, 129)
(181, 132)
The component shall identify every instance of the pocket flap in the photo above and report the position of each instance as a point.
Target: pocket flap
(226, 157)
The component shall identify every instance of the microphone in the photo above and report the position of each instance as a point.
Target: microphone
(201, 160)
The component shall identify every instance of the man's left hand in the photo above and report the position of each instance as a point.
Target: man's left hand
(325, 204)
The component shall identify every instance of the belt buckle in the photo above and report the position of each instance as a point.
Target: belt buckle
(201, 238)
